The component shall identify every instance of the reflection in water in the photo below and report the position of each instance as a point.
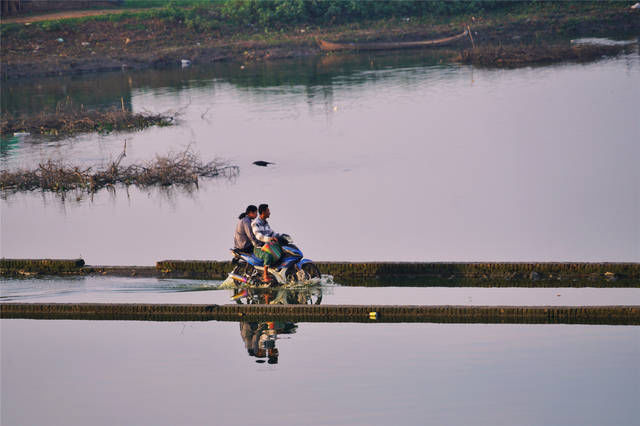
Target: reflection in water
(260, 337)
(8, 144)
(309, 76)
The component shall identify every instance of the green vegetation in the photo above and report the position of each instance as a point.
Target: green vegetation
(278, 14)
(250, 30)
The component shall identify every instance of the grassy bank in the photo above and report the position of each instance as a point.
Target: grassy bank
(245, 31)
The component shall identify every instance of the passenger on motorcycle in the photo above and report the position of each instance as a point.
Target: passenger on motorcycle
(244, 240)
(268, 249)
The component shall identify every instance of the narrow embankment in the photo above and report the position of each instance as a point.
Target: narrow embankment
(446, 274)
(610, 315)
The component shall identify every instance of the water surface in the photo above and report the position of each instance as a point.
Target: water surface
(151, 290)
(119, 372)
(391, 157)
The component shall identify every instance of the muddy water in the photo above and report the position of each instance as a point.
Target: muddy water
(381, 157)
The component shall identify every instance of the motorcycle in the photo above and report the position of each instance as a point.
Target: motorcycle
(291, 268)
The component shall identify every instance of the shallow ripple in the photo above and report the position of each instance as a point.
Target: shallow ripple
(151, 290)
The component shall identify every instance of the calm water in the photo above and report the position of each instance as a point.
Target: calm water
(391, 157)
(151, 290)
(143, 373)
(384, 157)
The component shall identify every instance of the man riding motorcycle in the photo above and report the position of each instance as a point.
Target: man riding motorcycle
(267, 248)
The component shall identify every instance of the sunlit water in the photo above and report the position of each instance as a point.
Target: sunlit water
(151, 290)
(377, 158)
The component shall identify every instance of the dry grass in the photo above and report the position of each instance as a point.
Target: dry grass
(183, 169)
(69, 119)
(518, 55)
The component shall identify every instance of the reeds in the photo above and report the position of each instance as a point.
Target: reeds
(182, 169)
(518, 55)
(69, 119)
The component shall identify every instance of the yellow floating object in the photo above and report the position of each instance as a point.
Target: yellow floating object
(373, 315)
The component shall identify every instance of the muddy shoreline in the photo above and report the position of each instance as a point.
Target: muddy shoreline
(89, 47)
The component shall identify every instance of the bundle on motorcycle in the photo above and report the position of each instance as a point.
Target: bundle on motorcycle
(290, 268)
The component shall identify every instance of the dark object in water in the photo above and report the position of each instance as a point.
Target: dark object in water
(262, 163)
(329, 46)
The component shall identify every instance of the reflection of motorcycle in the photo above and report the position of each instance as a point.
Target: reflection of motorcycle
(291, 268)
(260, 337)
(281, 296)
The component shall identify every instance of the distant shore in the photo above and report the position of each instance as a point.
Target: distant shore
(136, 41)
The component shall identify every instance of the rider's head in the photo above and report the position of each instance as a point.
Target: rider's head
(251, 211)
(263, 211)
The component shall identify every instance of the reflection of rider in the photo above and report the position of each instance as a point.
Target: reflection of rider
(260, 337)
(268, 249)
(244, 240)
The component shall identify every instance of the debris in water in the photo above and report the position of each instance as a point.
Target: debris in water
(182, 169)
(69, 118)
(522, 54)
(262, 163)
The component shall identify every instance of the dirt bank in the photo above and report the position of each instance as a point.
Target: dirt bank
(79, 46)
